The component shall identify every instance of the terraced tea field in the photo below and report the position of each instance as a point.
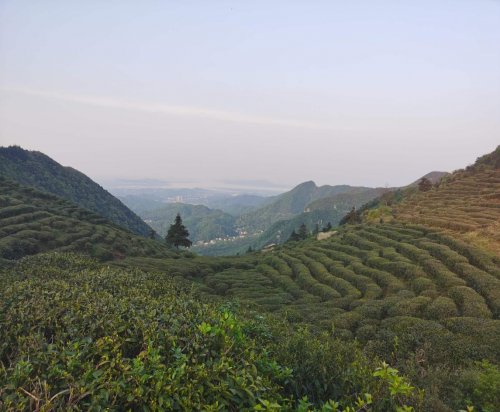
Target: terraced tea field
(467, 204)
(370, 281)
(32, 221)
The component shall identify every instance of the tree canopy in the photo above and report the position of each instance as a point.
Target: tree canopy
(424, 185)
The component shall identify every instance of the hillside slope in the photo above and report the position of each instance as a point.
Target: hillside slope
(289, 204)
(409, 294)
(239, 204)
(433, 177)
(330, 209)
(406, 293)
(32, 221)
(466, 204)
(319, 212)
(35, 169)
(202, 223)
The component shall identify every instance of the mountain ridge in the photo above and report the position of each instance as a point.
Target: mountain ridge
(291, 203)
(33, 168)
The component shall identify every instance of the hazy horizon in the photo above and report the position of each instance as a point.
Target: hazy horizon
(335, 92)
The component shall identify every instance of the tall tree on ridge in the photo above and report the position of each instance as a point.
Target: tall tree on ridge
(177, 234)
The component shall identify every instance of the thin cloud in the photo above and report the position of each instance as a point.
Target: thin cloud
(187, 111)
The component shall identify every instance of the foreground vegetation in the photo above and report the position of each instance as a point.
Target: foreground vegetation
(79, 336)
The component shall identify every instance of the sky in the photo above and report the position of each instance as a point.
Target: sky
(373, 93)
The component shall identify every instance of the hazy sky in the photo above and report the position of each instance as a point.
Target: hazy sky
(360, 92)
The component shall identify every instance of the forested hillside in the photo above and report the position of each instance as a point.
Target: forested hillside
(41, 172)
(203, 223)
(291, 203)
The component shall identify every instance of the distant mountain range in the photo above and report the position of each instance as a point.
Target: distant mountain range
(208, 214)
(292, 203)
(37, 170)
(238, 204)
(305, 204)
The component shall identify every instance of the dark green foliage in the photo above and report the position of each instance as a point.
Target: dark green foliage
(378, 283)
(41, 172)
(303, 232)
(410, 295)
(177, 234)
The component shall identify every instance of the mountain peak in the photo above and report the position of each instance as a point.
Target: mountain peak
(309, 183)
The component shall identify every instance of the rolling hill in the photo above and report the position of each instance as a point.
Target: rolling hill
(35, 169)
(466, 203)
(436, 295)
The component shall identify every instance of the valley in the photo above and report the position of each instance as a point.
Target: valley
(405, 284)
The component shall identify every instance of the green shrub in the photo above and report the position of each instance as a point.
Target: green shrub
(441, 308)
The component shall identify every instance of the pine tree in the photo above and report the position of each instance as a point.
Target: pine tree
(303, 231)
(152, 234)
(351, 218)
(327, 228)
(177, 234)
(293, 237)
(316, 229)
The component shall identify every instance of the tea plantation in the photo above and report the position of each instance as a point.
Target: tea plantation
(425, 302)
(308, 325)
(76, 335)
(32, 221)
(467, 203)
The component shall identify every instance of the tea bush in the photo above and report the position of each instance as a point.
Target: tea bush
(77, 335)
